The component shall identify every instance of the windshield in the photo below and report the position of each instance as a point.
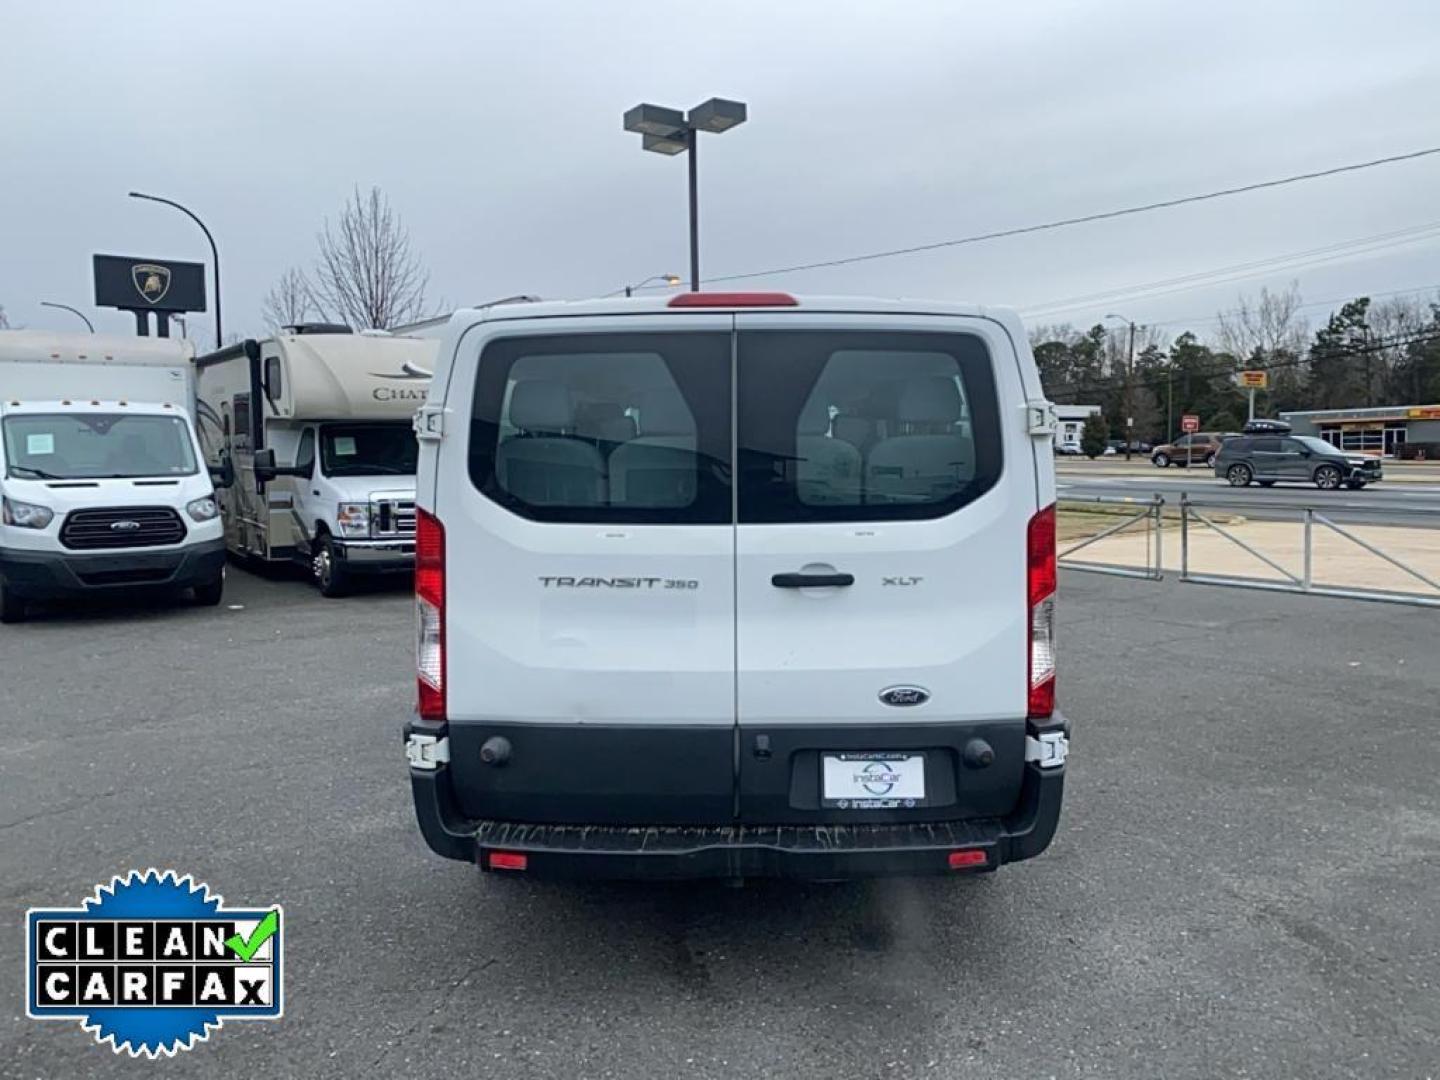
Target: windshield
(73, 446)
(368, 450)
(1320, 446)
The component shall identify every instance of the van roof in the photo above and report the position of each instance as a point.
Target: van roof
(49, 345)
(661, 304)
(82, 405)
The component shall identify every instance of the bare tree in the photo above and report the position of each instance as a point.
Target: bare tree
(289, 301)
(1269, 325)
(366, 274)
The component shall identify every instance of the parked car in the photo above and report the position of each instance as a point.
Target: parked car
(1117, 446)
(806, 634)
(1197, 449)
(1068, 449)
(1271, 459)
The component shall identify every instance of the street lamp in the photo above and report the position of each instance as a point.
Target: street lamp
(214, 251)
(66, 307)
(668, 279)
(670, 132)
(1127, 402)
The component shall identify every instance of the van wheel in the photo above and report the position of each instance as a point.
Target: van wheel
(1161, 461)
(328, 571)
(12, 607)
(1327, 478)
(1239, 475)
(209, 594)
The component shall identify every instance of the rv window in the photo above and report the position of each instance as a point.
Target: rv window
(242, 422)
(305, 455)
(272, 378)
(368, 450)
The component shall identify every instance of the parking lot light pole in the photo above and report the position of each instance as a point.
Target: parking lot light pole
(1129, 404)
(75, 311)
(669, 131)
(214, 251)
(668, 279)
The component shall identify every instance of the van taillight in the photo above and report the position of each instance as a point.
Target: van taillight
(1040, 577)
(430, 615)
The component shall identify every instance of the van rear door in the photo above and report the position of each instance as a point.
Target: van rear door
(885, 485)
(589, 571)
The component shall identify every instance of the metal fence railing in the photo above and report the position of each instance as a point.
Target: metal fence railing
(1146, 512)
(1194, 518)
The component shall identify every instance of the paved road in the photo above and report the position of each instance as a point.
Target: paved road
(1244, 883)
(1394, 504)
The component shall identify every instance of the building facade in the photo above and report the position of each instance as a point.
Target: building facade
(1380, 430)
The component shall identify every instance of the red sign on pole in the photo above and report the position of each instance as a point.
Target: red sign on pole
(1189, 423)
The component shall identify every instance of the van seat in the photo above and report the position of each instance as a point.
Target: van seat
(546, 463)
(926, 459)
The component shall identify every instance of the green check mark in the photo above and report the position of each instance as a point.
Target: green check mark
(246, 948)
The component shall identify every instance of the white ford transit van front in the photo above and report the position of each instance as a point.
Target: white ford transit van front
(736, 585)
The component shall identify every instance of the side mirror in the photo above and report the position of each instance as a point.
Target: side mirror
(222, 475)
(1306, 453)
(265, 467)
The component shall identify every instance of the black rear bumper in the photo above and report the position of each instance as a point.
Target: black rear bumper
(43, 575)
(822, 850)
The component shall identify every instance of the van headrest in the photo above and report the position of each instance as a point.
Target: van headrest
(541, 406)
(814, 418)
(664, 412)
(931, 399)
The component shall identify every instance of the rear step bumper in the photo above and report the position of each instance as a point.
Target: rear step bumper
(738, 851)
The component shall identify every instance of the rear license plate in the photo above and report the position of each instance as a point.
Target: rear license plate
(872, 780)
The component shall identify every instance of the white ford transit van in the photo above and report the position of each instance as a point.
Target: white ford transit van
(737, 584)
(101, 477)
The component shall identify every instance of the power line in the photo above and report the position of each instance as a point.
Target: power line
(1313, 256)
(1103, 215)
(1203, 320)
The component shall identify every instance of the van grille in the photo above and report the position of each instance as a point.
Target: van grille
(395, 517)
(122, 527)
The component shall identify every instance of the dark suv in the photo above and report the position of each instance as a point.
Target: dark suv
(1197, 449)
(1268, 458)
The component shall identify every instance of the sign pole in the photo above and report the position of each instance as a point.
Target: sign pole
(1252, 403)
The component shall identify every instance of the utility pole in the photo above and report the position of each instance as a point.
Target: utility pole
(1127, 397)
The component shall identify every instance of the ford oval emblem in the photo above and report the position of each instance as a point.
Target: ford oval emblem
(125, 526)
(904, 695)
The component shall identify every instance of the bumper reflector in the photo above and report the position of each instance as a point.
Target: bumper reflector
(508, 860)
(964, 860)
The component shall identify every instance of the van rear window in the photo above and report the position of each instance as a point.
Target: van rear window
(606, 427)
(856, 426)
(832, 426)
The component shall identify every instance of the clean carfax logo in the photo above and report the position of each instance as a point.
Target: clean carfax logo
(151, 963)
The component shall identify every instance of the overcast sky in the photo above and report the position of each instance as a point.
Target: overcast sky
(495, 131)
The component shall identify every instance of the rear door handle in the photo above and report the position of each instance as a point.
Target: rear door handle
(810, 581)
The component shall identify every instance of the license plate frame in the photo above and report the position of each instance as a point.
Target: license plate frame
(898, 784)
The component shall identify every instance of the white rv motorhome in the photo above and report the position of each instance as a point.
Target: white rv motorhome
(316, 425)
(104, 487)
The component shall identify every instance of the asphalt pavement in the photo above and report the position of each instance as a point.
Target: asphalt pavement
(1244, 882)
(1408, 503)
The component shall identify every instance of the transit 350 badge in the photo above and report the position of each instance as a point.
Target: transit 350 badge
(152, 963)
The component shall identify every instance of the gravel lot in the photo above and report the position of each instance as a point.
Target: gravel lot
(1244, 884)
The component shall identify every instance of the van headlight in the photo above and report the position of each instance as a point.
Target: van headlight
(202, 509)
(27, 515)
(353, 519)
